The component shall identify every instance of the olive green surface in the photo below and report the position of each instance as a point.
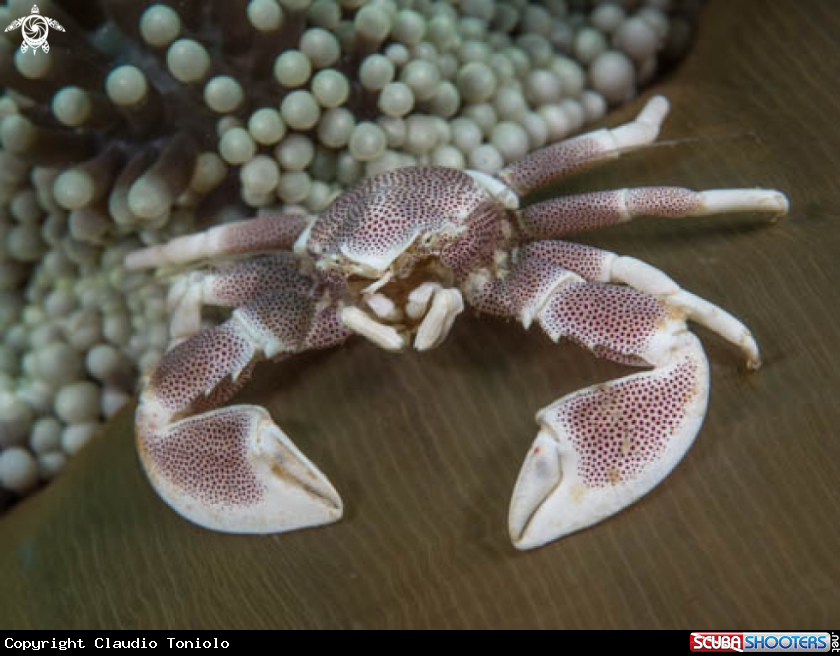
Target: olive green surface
(425, 449)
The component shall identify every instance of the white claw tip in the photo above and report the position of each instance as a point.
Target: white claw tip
(722, 201)
(655, 111)
(770, 200)
(645, 129)
(750, 347)
(782, 203)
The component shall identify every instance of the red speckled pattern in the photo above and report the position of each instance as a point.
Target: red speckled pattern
(283, 317)
(383, 215)
(476, 247)
(531, 282)
(263, 233)
(207, 457)
(608, 353)
(621, 427)
(586, 261)
(550, 163)
(294, 322)
(613, 321)
(326, 330)
(491, 297)
(198, 365)
(240, 282)
(662, 201)
(564, 216)
(538, 269)
(618, 318)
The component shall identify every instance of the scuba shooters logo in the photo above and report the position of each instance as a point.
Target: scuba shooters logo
(35, 29)
(717, 642)
(780, 642)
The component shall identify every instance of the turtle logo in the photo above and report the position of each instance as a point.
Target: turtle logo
(35, 30)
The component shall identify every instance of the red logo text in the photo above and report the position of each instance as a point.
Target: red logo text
(717, 642)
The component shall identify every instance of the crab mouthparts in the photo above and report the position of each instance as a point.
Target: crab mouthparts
(427, 313)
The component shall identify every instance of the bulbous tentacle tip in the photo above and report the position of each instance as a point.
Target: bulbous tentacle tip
(233, 470)
(603, 448)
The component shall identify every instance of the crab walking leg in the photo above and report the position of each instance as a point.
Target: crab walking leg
(602, 448)
(231, 285)
(231, 468)
(597, 265)
(564, 216)
(251, 236)
(559, 160)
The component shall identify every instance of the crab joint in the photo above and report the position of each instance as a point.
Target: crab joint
(496, 188)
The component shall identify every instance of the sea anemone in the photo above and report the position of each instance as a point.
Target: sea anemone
(145, 121)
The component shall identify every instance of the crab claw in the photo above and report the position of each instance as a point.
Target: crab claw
(234, 470)
(604, 447)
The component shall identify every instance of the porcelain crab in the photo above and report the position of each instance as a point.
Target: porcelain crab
(395, 260)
